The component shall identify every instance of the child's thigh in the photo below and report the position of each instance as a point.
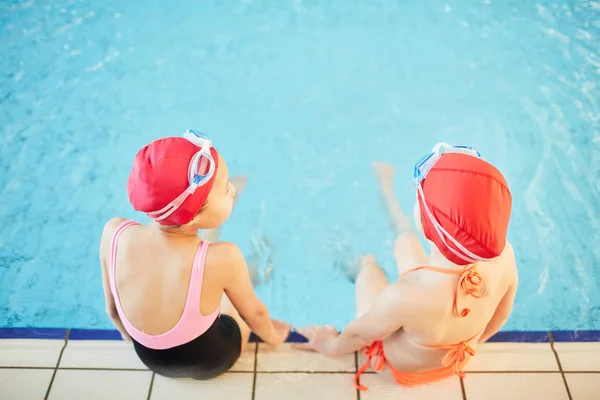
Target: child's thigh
(409, 253)
(371, 280)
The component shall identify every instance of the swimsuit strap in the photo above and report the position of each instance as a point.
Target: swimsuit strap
(113, 248)
(196, 281)
(455, 359)
(470, 281)
(374, 350)
(457, 354)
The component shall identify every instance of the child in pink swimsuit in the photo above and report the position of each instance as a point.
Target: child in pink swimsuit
(425, 326)
(187, 304)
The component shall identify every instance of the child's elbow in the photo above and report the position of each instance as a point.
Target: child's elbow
(258, 314)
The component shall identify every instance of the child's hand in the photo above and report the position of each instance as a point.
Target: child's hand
(282, 331)
(319, 338)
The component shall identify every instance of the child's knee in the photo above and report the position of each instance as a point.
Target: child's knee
(368, 266)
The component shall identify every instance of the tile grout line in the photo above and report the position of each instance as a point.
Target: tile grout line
(317, 372)
(255, 367)
(462, 388)
(356, 371)
(151, 385)
(104, 369)
(562, 373)
(67, 333)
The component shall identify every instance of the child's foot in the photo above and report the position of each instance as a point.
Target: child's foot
(399, 222)
(239, 183)
(385, 172)
(343, 254)
(349, 268)
(352, 269)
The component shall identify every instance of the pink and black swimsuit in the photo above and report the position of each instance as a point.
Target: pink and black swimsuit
(198, 346)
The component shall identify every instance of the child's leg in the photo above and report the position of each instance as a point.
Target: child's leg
(371, 280)
(228, 309)
(408, 251)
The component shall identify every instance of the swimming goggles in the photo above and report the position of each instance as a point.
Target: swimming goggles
(424, 165)
(422, 168)
(200, 171)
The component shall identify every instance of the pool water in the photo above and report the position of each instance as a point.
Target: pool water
(301, 97)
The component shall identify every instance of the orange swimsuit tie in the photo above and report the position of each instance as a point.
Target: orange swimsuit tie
(470, 281)
(374, 350)
(457, 355)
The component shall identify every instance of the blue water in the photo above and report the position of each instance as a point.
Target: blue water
(300, 96)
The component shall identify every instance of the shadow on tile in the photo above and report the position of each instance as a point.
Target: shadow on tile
(231, 386)
(285, 358)
(516, 386)
(294, 386)
(92, 385)
(17, 384)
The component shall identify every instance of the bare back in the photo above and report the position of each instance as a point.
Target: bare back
(433, 322)
(153, 271)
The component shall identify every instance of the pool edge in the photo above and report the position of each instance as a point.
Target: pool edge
(110, 334)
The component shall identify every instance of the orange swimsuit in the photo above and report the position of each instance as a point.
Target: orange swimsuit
(458, 354)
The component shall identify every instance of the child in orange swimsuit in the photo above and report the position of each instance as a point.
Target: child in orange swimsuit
(425, 326)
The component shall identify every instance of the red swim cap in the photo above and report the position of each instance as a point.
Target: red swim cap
(160, 174)
(470, 199)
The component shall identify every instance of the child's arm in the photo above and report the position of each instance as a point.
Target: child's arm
(502, 313)
(505, 306)
(239, 290)
(105, 244)
(388, 314)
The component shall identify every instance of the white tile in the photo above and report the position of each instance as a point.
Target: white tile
(100, 385)
(100, 354)
(24, 384)
(584, 386)
(383, 387)
(29, 352)
(246, 360)
(119, 354)
(302, 386)
(513, 357)
(285, 358)
(579, 356)
(516, 386)
(231, 386)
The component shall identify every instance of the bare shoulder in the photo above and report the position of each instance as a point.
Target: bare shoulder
(225, 254)
(111, 226)
(107, 233)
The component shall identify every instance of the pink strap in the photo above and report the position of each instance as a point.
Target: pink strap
(191, 324)
(196, 279)
(113, 249)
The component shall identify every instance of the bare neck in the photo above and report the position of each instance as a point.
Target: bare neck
(439, 260)
(184, 230)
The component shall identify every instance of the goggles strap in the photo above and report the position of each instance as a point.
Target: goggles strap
(466, 255)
